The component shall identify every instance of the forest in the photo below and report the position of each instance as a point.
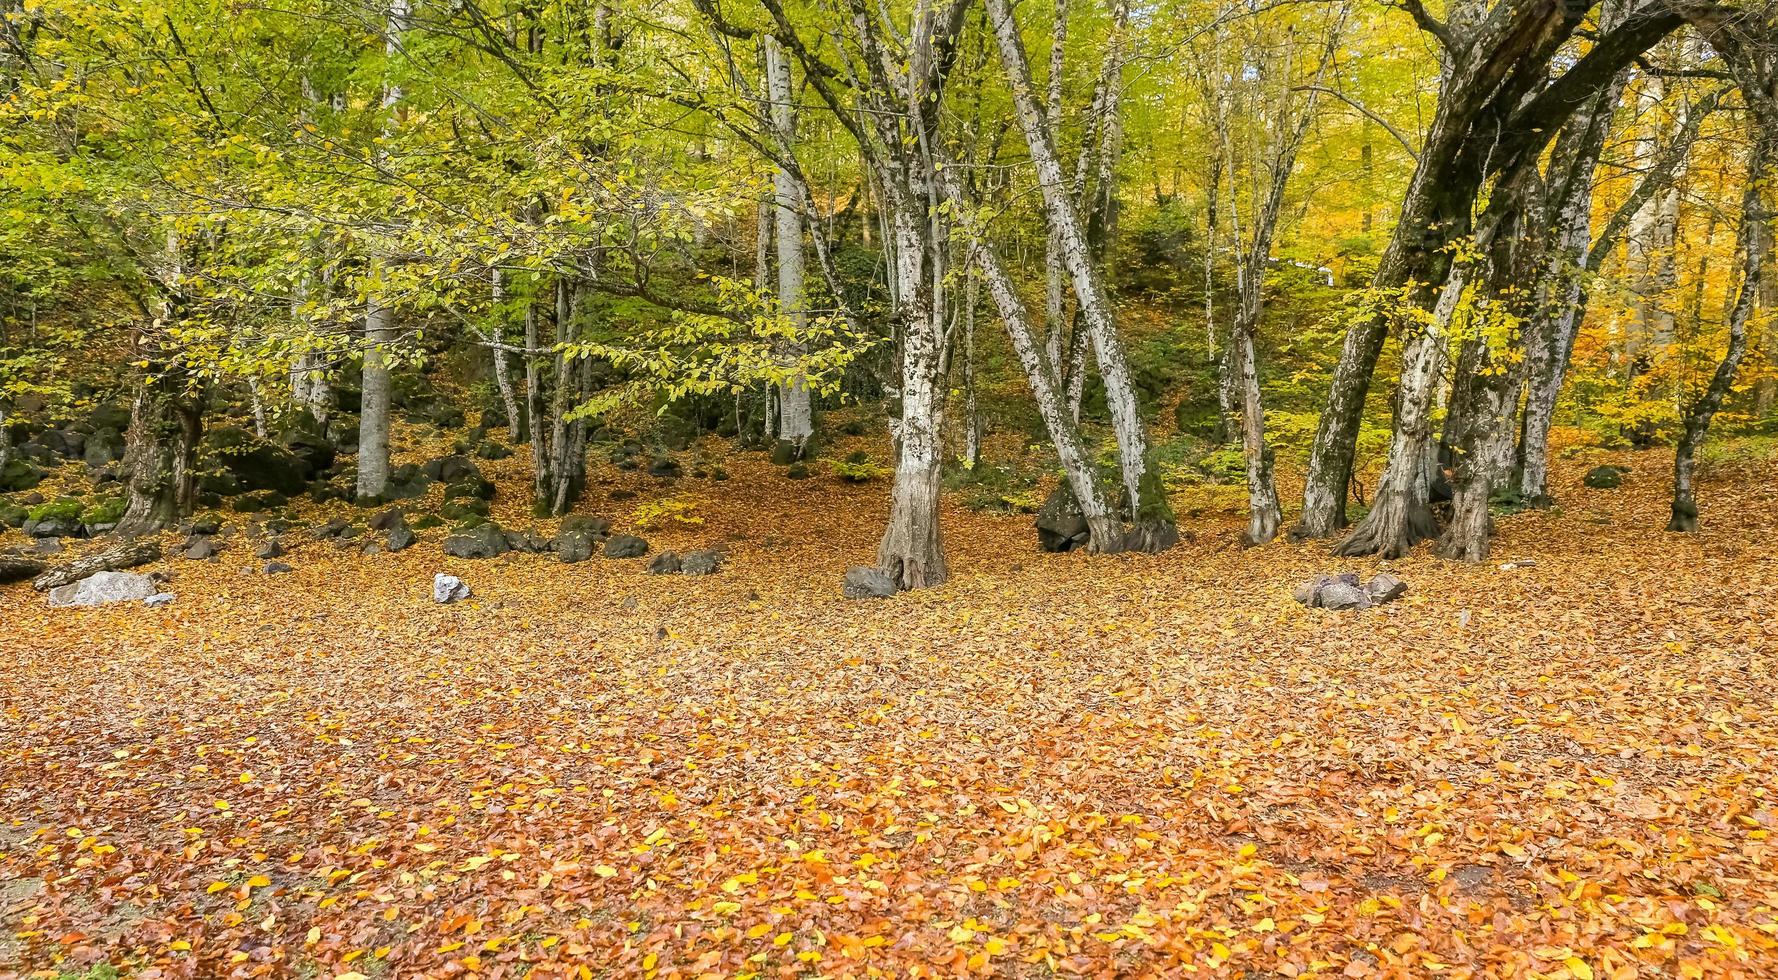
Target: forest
(921, 487)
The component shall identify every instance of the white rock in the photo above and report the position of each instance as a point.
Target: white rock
(159, 599)
(103, 587)
(448, 588)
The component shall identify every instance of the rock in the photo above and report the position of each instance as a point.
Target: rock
(470, 488)
(103, 448)
(1385, 587)
(488, 449)
(1309, 593)
(451, 469)
(384, 520)
(205, 526)
(598, 527)
(46, 546)
(868, 583)
(461, 510)
(277, 568)
(199, 549)
(1340, 596)
(401, 537)
(573, 546)
(665, 563)
(626, 546)
(20, 474)
(331, 529)
(159, 599)
(103, 587)
(310, 448)
(257, 463)
(272, 548)
(526, 542)
(448, 588)
(700, 563)
(1605, 477)
(54, 526)
(621, 495)
(799, 471)
(1061, 525)
(484, 541)
(664, 468)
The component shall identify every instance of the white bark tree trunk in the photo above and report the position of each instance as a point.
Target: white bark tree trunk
(379, 318)
(1064, 216)
(795, 417)
(509, 398)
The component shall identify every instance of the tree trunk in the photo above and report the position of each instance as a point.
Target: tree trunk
(373, 416)
(1153, 517)
(17, 568)
(509, 399)
(912, 550)
(128, 554)
(160, 453)
(1105, 533)
(379, 317)
(972, 419)
(796, 421)
(1756, 222)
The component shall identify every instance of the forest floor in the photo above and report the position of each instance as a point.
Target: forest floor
(1134, 765)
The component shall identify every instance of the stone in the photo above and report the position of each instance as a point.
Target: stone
(700, 563)
(448, 588)
(256, 463)
(103, 587)
(103, 448)
(1341, 596)
(484, 541)
(20, 474)
(272, 548)
(55, 527)
(1385, 587)
(1309, 593)
(573, 546)
(384, 520)
(665, 468)
(1605, 477)
(598, 527)
(488, 449)
(159, 599)
(470, 488)
(1061, 524)
(277, 568)
(665, 563)
(868, 583)
(401, 537)
(331, 529)
(46, 546)
(526, 542)
(451, 469)
(626, 546)
(200, 548)
(205, 525)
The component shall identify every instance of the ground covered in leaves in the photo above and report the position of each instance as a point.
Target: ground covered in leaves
(1140, 765)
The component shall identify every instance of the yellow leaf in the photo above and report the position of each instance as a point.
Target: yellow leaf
(604, 870)
(1579, 968)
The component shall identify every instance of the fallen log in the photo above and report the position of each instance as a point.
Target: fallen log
(127, 555)
(17, 568)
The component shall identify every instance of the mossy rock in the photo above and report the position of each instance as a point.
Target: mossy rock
(107, 511)
(63, 509)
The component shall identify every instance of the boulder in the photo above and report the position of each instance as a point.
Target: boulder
(451, 469)
(626, 546)
(482, 541)
(384, 520)
(200, 548)
(256, 463)
(311, 448)
(46, 546)
(277, 568)
(19, 474)
(272, 548)
(54, 526)
(103, 587)
(1061, 524)
(598, 527)
(573, 546)
(700, 563)
(401, 537)
(159, 599)
(448, 588)
(1385, 587)
(1605, 477)
(1340, 596)
(489, 449)
(103, 448)
(665, 468)
(526, 541)
(1309, 593)
(470, 488)
(868, 583)
(665, 563)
